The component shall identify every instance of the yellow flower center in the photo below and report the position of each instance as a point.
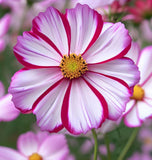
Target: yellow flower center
(73, 66)
(138, 93)
(35, 156)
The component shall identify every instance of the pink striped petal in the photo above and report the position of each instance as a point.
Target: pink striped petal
(28, 144)
(54, 147)
(10, 154)
(28, 85)
(83, 107)
(8, 112)
(33, 52)
(113, 43)
(122, 68)
(48, 107)
(131, 119)
(144, 64)
(115, 91)
(86, 25)
(53, 26)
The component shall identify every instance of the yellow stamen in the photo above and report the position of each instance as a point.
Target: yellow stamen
(138, 93)
(35, 156)
(73, 66)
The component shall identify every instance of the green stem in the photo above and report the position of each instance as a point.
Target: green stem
(106, 139)
(128, 144)
(95, 144)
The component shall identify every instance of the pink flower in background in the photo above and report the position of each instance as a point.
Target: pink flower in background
(93, 4)
(4, 26)
(87, 146)
(141, 10)
(140, 156)
(146, 30)
(145, 137)
(74, 75)
(139, 108)
(17, 11)
(123, 2)
(8, 112)
(41, 146)
(40, 6)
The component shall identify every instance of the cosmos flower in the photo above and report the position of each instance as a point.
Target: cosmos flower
(74, 74)
(40, 146)
(8, 112)
(139, 108)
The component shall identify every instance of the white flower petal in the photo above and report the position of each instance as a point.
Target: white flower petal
(131, 119)
(144, 64)
(48, 107)
(129, 106)
(115, 91)
(147, 87)
(28, 85)
(33, 52)
(83, 107)
(134, 52)
(113, 43)
(54, 26)
(122, 68)
(86, 25)
(144, 110)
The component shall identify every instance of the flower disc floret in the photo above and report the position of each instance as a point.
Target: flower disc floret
(73, 66)
(138, 93)
(35, 156)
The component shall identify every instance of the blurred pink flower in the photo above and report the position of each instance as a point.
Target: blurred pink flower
(4, 26)
(146, 30)
(141, 10)
(74, 75)
(87, 146)
(17, 10)
(39, 146)
(145, 136)
(40, 6)
(139, 108)
(140, 156)
(8, 112)
(93, 4)
(103, 149)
